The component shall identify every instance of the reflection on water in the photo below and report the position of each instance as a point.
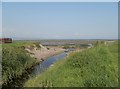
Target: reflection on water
(19, 82)
(47, 63)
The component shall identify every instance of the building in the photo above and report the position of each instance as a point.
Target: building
(5, 40)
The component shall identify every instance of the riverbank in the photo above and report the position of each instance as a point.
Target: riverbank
(15, 61)
(43, 53)
(95, 67)
(20, 57)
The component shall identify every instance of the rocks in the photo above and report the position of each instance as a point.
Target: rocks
(43, 53)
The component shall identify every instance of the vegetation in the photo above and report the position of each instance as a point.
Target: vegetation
(15, 60)
(95, 67)
(37, 44)
(66, 47)
(99, 43)
(48, 48)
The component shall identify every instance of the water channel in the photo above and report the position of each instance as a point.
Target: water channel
(47, 63)
(36, 70)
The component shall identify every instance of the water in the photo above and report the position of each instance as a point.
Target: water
(47, 63)
(19, 82)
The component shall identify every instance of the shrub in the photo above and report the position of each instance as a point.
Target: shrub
(14, 62)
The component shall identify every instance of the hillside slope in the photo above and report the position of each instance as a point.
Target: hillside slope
(15, 60)
(95, 67)
(20, 56)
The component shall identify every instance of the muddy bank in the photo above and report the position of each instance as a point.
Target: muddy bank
(32, 71)
(43, 52)
(40, 54)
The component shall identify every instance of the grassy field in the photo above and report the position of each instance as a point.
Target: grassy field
(15, 60)
(19, 43)
(95, 67)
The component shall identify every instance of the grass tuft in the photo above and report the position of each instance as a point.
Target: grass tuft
(95, 67)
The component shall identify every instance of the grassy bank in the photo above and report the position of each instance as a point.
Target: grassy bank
(95, 67)
(15, 60)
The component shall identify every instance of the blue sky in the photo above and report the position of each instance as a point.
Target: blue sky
(59, 0)
(87, 20)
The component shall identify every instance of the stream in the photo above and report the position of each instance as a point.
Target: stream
(36, 70)
(47, 63)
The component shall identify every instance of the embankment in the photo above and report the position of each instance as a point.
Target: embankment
(16, 60)
(95, 67)
(43, 53)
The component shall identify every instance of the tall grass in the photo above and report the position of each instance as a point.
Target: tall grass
(15, 61)
(95, 67)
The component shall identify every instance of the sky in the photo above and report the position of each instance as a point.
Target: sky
(63, 20)
(59, 0)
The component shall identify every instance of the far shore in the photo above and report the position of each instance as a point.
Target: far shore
(43, 53)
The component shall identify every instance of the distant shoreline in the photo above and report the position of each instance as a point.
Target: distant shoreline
(58, 39)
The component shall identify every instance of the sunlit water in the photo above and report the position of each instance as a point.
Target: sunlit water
(37, 70)
(47, 63)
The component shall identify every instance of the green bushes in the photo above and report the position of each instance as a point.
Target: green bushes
(95, 67)
(66, 47)
(14, 61)
(37, 44)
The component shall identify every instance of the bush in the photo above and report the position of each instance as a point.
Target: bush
(14, 62)
(66, 47)
(37, 44)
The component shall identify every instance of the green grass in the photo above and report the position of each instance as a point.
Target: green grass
(15, 60)
(19, 43)
(96, 67)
